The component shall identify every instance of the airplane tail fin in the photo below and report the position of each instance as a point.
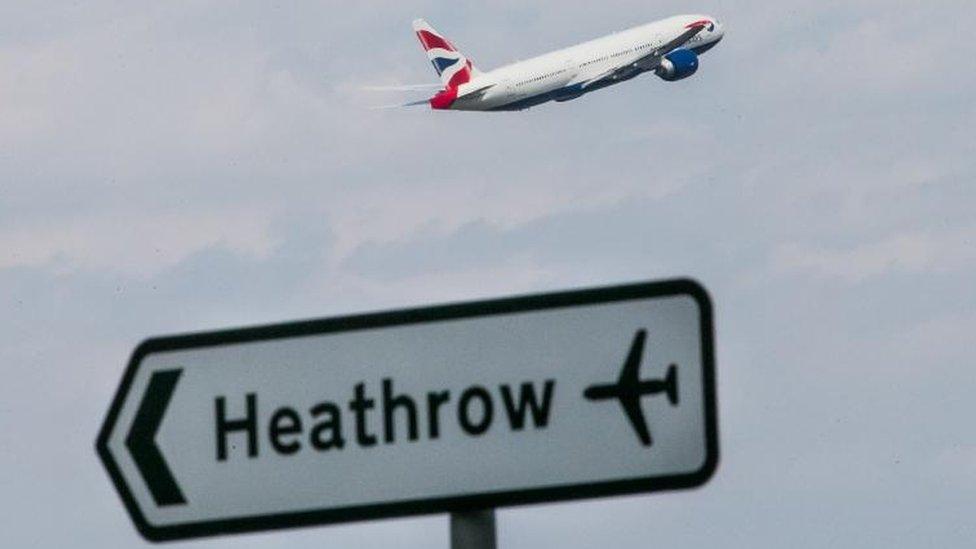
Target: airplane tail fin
(451, 65)
(671, 384)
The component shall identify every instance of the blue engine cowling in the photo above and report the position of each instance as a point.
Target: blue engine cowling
(677, 65)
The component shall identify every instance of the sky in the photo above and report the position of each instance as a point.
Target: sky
(187, 166)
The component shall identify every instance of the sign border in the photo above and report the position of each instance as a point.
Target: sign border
(455, 311)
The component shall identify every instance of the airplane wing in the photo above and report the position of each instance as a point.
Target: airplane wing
(631, 406)
(646, 63)
(421, 87)
(630, 374)
(630, 378)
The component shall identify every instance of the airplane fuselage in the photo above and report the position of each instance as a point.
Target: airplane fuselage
(572, 72)
(611, 391)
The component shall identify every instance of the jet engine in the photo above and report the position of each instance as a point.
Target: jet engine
(677, 65)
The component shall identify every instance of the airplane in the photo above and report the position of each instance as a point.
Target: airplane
(670, 48)
(629, 388)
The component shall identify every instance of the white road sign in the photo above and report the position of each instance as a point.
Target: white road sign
(451, 408)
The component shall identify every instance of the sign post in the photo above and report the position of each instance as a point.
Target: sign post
(449, 409)
(473, 530)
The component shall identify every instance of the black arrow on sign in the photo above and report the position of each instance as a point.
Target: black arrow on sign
(142, 439)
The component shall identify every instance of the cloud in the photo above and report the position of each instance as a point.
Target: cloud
(186, 166)
(133, 243)
(912, 253)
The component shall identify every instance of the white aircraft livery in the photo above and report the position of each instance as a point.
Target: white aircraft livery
(670, 48)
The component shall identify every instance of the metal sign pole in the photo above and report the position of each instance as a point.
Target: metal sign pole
(473, 530)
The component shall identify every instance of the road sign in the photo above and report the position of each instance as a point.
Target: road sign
(444, 409)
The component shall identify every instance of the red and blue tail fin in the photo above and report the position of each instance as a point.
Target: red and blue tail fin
(451, 65)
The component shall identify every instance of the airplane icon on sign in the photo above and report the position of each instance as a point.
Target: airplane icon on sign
(629, 388)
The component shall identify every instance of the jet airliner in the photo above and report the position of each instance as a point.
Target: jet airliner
(670, 48)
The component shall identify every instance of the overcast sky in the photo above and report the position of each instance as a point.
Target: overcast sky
(183, 166)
